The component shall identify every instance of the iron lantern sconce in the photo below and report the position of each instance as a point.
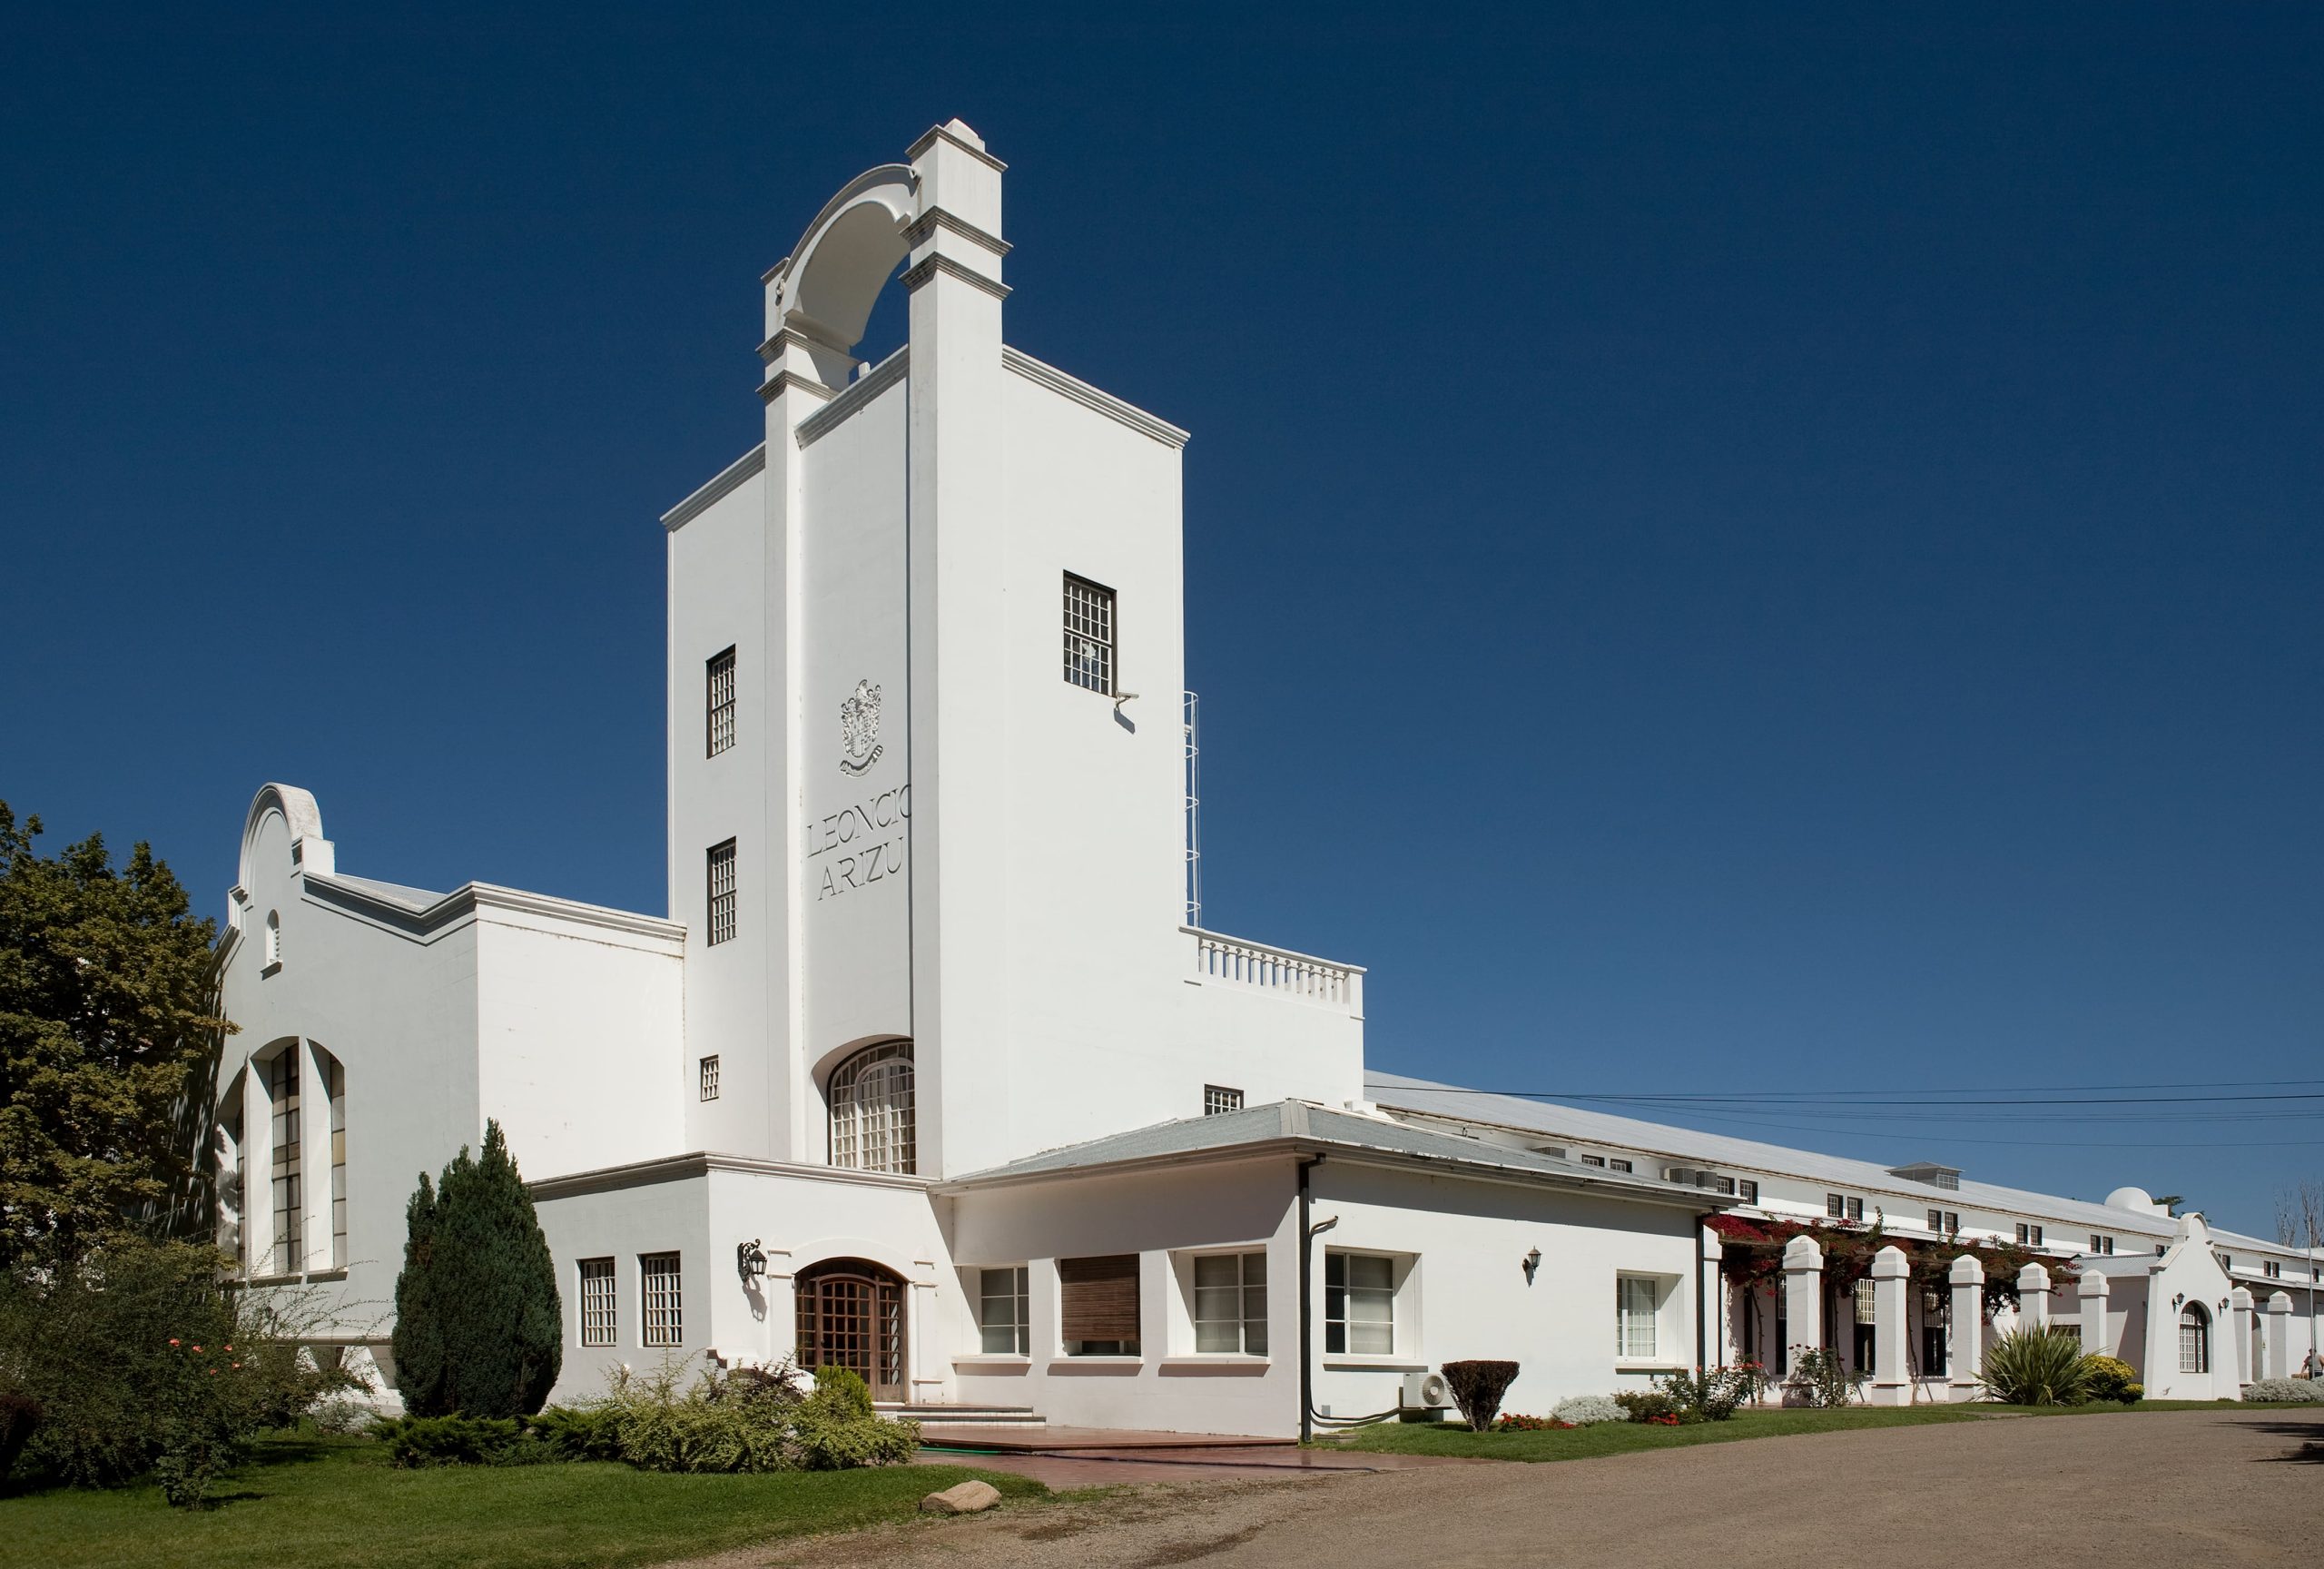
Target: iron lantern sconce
(1533, 1262)
(750, 1260)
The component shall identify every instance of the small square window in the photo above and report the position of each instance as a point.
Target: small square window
(1003, 1320)
(1750, 1194)
(1619, 1166)
(718, 681)
(1219, 1098)
(1231, 1303)
(1359, 1304)
(2100, 1244)
(1936, 1220)
(596, 1302)
(1594, 1160)
(722, 893)
(1088, 634)
(1952, 1227)
(710, 1076)
(1835, 1206)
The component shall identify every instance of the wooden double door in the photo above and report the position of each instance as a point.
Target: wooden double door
(852, 1315)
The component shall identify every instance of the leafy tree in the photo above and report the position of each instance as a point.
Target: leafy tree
(479, 1326)
(109, 1036)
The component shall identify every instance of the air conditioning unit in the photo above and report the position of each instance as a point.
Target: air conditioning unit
(1425, 1392)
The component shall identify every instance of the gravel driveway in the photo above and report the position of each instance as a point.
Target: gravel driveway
(2183, 1489)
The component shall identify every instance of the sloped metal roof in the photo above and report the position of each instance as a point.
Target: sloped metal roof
(1306, 1125)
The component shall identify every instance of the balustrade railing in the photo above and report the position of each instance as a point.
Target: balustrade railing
(1277, 970)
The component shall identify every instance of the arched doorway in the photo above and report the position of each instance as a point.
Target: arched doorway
(852, 1315)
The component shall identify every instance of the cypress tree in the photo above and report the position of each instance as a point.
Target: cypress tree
(479, 1326)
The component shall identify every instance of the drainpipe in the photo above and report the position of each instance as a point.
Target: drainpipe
(1306, 1307)
(1702, 1295)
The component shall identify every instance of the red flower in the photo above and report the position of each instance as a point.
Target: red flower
(173, 1340)
(197, 1350)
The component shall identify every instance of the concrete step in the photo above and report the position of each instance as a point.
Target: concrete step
(945, 1414)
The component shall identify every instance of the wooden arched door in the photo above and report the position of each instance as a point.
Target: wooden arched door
(852, 1315)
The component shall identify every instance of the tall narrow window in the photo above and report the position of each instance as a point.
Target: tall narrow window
(718, 682)
(657, 1296)
(1231, 1303)
(1634, 1316)
(335, 1086)
(274, 942)
(1003, 1320)
(872, 1119)
(1088, 634)
(722, 893)
(1359, 1304)
(1219, 1098)
(2194, 1339)
(283, 1102)
(709, 1084)
(1098, 1306)
(597, 1308)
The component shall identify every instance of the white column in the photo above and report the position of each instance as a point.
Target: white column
(1965, 1355)
(2093, 1296)
(2033, 1298)
(2239, 1327)
(1891, 1383)
(1803, 1287)
(2280, 1336)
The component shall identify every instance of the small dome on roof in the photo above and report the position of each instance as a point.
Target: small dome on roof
(2133, 1199)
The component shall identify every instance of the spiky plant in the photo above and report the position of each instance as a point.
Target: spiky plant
(2036, 1368)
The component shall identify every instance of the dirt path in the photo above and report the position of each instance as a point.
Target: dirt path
(2112, 1492)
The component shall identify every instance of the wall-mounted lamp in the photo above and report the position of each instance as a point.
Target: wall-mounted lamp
(1533, 1262)
(750, 1262)
(2178, 1299)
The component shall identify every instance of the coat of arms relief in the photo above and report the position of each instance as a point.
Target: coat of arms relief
(859, 729)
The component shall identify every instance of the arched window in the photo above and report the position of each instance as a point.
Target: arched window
(273, 939)
(280, 1074)
(2194, 1339)
(333, 1075)
(872, 1109)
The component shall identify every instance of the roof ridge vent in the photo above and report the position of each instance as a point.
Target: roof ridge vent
(1933, 1173)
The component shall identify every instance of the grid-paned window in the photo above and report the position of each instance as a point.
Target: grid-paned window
(2100, 1244)
(658, 1298)
(1593, 1159)
(1088, 634)
(1359, 1304)
(1002, 1316)
(722, 893)
(2194, 1340)
(1750, 1193)
(718, 683)
(1635, 1299)
(290, 1202)
(873, 1125)
(709, 1080)
(597, 1321)
(1219, 1098)
(1619, 1166)
(1231, 1303)
(335, 1085)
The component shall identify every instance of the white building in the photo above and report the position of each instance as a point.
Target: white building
(928, 1071)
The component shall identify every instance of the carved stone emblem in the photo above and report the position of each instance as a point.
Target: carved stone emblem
(859, 729)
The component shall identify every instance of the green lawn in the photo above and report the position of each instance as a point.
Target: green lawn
(1622, 1437)
(336, 1503)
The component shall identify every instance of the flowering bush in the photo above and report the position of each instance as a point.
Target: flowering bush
(2108, 1377)
(1667, 1419)
(2306, 1391)
(1581, 1410)
(1648, 1404)
(1819, 1377)
(1708, 1394)
(1511, 1422)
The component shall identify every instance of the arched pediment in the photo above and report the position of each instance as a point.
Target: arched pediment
(824, 293)
(303, 821)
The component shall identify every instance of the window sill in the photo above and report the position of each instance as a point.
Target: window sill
(273, 969)
(993, 1362)
(1095, 1367)
(1334, 1363)
(1648, 1365)
(1214, 1365)
(322, 1277)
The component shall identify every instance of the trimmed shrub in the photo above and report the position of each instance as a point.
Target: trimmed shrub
(578, 1432)
(2306, 1391)
(2035, 1367)
(479, 1326)
(1582, 1410)
(2134, 1394)
(1477, 1389)
(2108, 1377)
(417, 1440)
(836, 1429)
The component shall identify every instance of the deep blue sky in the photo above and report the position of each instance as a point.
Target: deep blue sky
(1739, 550)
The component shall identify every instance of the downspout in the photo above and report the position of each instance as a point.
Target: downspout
(1702, 1295)
(1306, 1307)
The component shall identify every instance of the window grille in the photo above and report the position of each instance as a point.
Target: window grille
(1231, 1303)
(1634, 1324)
(335, 1086)
(710, 1076)
(873, 1126)
(1003, 1318)
(722, 893)
(1835, 1206)
(282, 1094)
(1594, 1160)
(1856, 1209)
(657, 1274)
(1219, 1098)
(1867, 1302)
(1750, 1194)
(2194, 1340)
(597, 1320)
(1952, 1227)
(1088, 634)
(1936, 1219)
(1359, 1304)
(719, 694)
(1618, 1166)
